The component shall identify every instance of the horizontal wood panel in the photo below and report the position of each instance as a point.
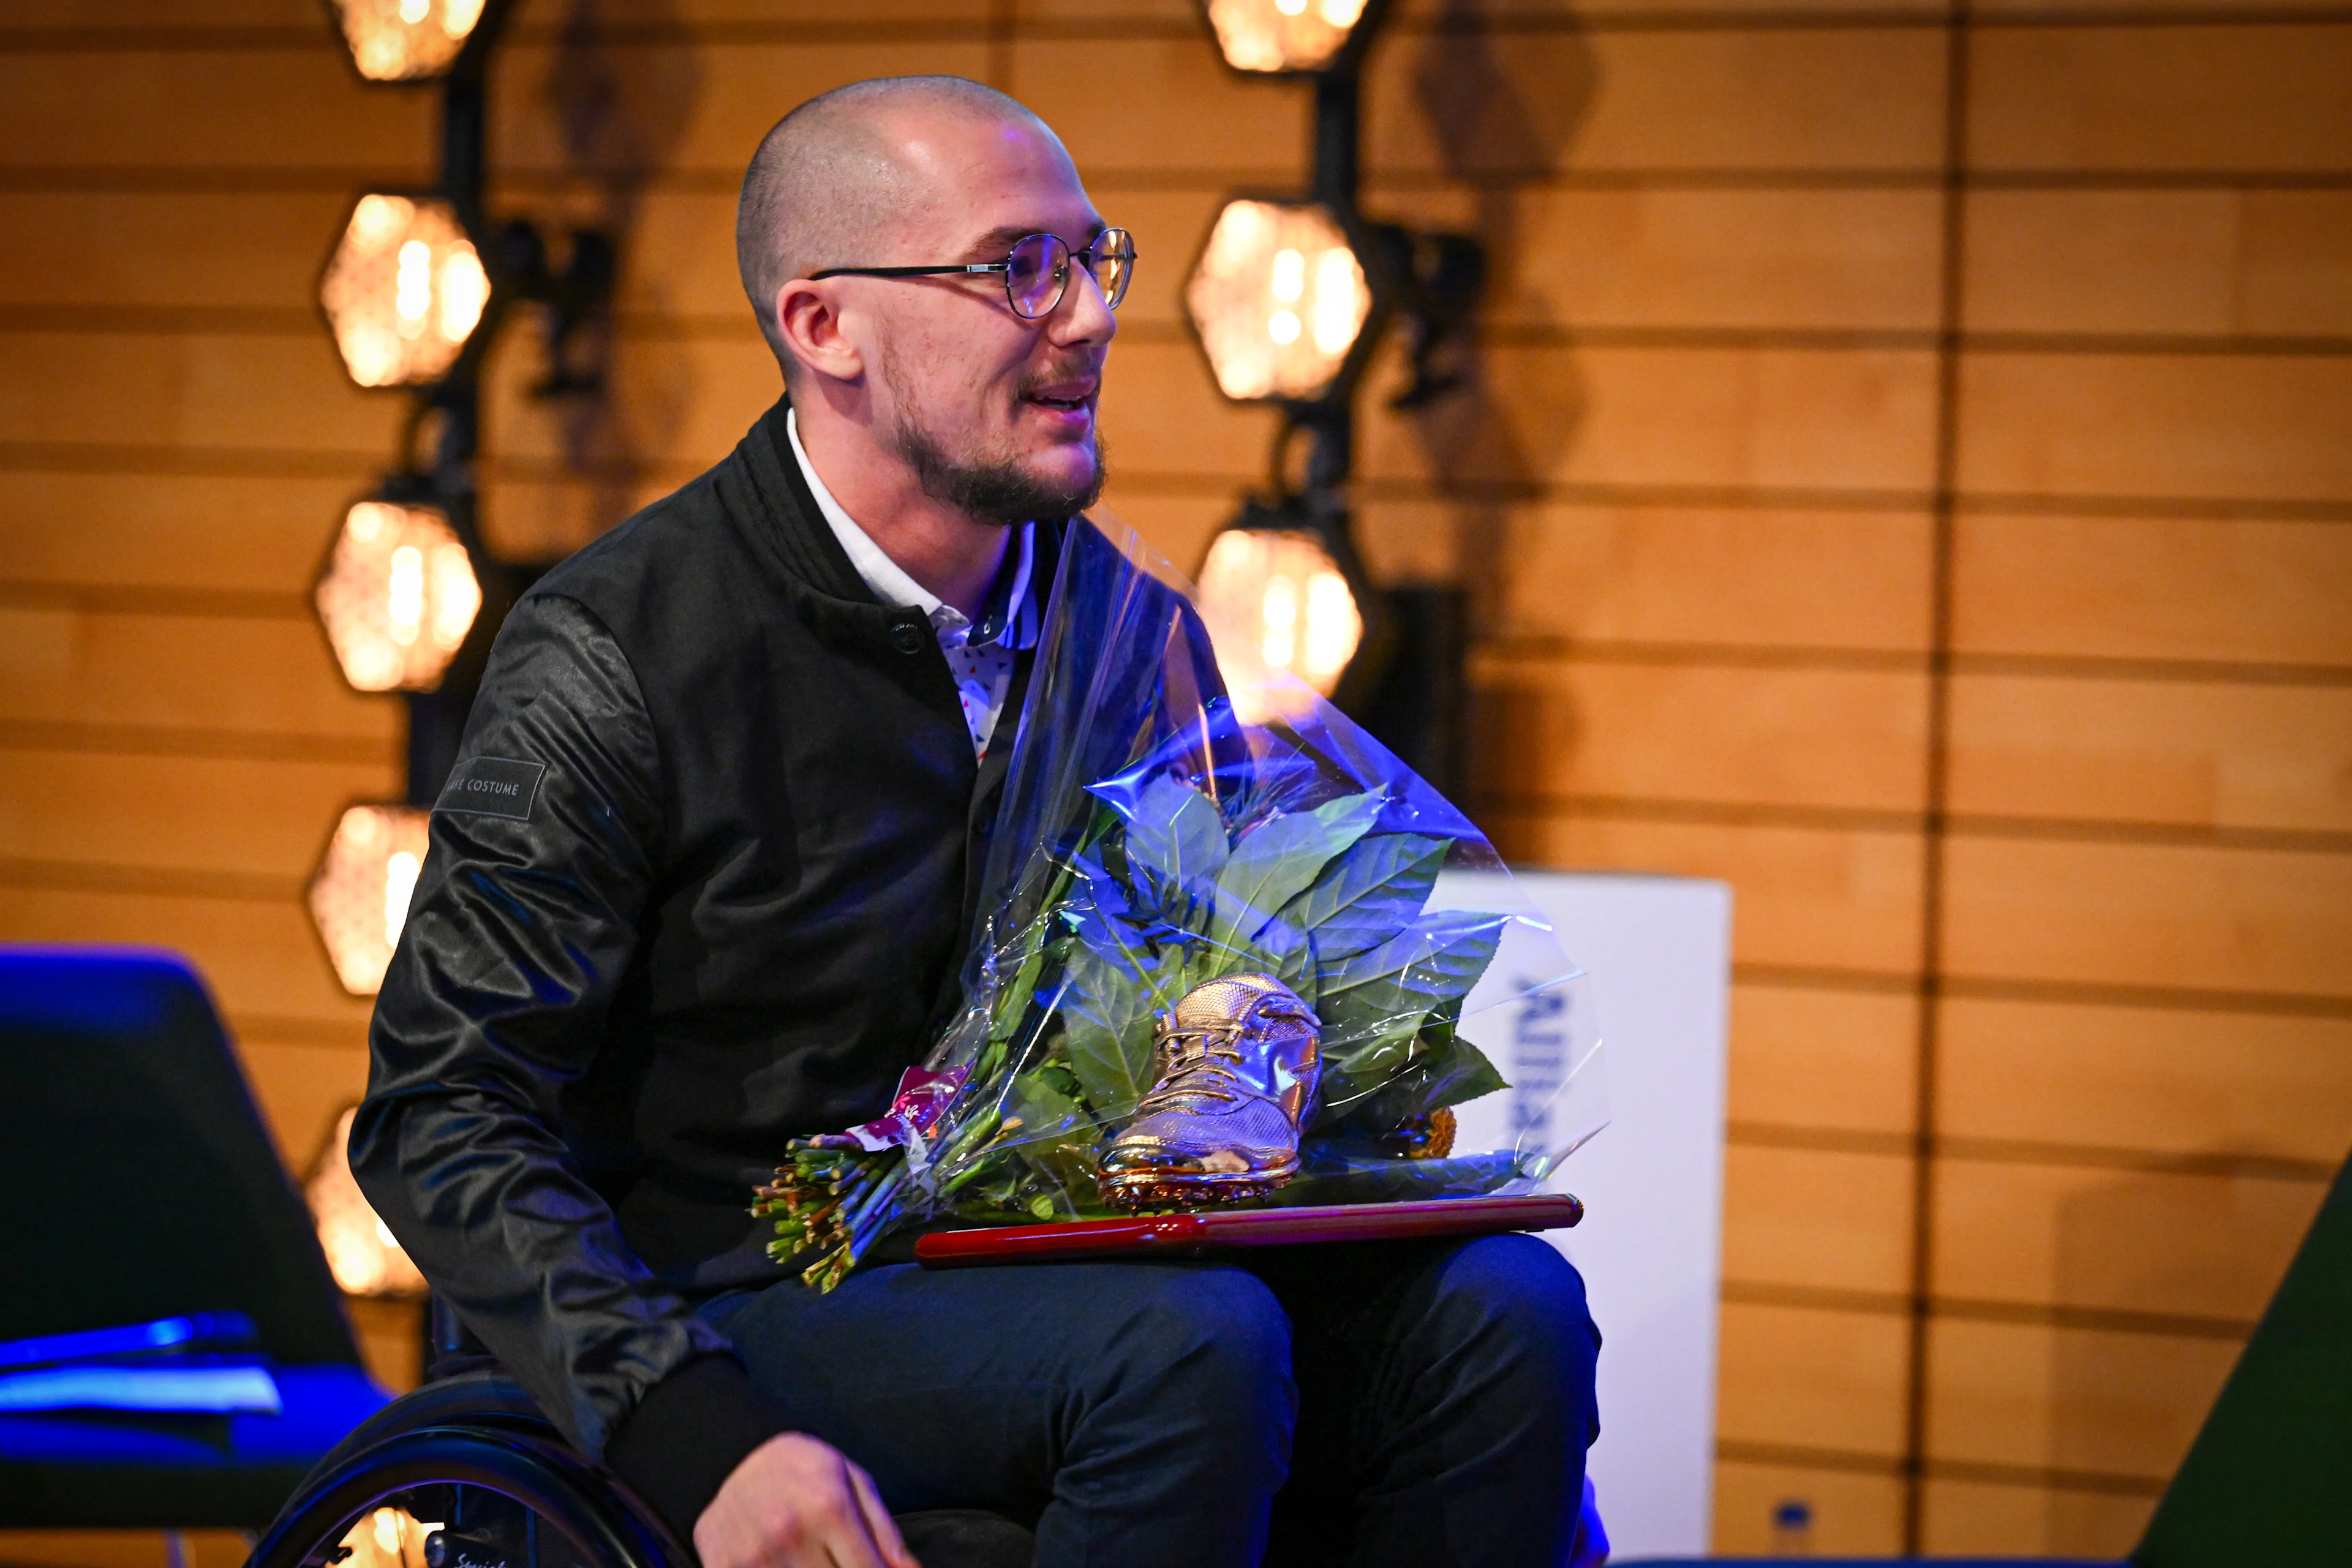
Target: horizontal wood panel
(1179, 527)
(155, 250)
(1853, 1514)
(257, 956)
(2201, 753)
(226, 814)
(2129, 1241)
(546, 519)
(610, 109)
(1803, 1056)
(684, 404)
(2181, 917)
(170, 531)
(1859, 419)
(1821, 738)
(266, 392)
(1803, 1377)
(1756, 259)
(2160, 98)
(1801, 896)
(2167, 1080)
(2208, 262)
(1470, 104)
(207, 108)
(301, 1089)
(1817, 1219)
(2069, 1399)
(1750, 577)
(180, 672)
(2154, 588)
(2238, 426)
(528, 15)
(1201, 116)
(1966, 1518)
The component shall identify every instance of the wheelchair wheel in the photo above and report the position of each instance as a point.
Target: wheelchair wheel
(450, 1497)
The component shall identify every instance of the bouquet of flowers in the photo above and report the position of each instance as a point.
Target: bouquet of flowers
(1231, 950)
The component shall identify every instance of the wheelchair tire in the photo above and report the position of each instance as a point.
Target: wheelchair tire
(594, 1523)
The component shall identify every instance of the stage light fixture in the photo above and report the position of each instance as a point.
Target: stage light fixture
(404, 290)
(1284, 36)
(397, 596)
(358, 897)
(386, 1537)
(1279, 602)
(406, 40)
(362, 1252)
(1278, 299)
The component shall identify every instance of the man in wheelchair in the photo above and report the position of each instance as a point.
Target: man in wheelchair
(702, 881)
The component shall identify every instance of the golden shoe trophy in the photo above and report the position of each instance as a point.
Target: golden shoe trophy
(1234, 1065)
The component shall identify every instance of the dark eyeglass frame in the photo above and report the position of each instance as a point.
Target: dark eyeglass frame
(1090, 256)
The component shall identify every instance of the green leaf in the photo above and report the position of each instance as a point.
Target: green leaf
(1454, 1073)
(1434, 962)
(1108, 1019)
(1176, 834)
(1368, 895)
(1275, 861)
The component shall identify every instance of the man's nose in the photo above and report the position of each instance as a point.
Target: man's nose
(1084, 315)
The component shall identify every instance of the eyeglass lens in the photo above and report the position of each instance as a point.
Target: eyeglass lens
(1039, 269)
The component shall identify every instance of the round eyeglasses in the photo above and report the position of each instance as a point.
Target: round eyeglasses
(1036, 272)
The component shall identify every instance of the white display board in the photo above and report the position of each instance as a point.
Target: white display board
(1658, 953)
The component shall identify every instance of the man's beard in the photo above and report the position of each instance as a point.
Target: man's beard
(997, 489)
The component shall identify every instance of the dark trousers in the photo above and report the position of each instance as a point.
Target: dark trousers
(1374, 1404)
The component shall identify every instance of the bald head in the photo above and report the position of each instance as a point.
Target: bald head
(832, 180)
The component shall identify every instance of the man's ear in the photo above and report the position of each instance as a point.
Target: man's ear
(809, 325)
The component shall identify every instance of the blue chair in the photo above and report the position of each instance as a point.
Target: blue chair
(136, 1184)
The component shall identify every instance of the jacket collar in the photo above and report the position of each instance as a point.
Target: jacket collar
(785, 521)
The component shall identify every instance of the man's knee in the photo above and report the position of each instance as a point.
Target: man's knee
(1515, 1300)
(1218, 1334)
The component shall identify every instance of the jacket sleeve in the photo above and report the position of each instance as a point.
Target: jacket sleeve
(524, 923)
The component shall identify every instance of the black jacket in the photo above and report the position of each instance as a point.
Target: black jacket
(700, 882)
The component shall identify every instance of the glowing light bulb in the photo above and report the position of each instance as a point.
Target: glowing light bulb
(404, 292)
(1339, 309)
(457, 596)
(1289, 276)
(400, 870)
(403, 597)
(465, 291)
(1278, 299)
(359, 895)
(1284, 620)
(413, 287)
(398, 596)
(414, 11)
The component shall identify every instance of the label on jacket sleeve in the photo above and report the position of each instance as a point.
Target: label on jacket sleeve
(492, 787)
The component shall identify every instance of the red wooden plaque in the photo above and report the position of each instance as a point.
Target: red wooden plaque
(1175, 1234)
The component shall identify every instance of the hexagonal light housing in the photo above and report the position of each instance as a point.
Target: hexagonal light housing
(1283, 34)
(1278, 298)
(397, 597)
(362, 1254)
(1277, 604)
(404, 290)
(359, 896)
(406, 40)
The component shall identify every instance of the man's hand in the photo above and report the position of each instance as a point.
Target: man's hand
(794, 1502)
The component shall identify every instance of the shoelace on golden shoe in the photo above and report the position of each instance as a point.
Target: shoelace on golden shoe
(1201, 1070)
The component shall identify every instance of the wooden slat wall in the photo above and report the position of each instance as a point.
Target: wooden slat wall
(1908, 475)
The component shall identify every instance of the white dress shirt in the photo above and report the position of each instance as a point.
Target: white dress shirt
(980, 656)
